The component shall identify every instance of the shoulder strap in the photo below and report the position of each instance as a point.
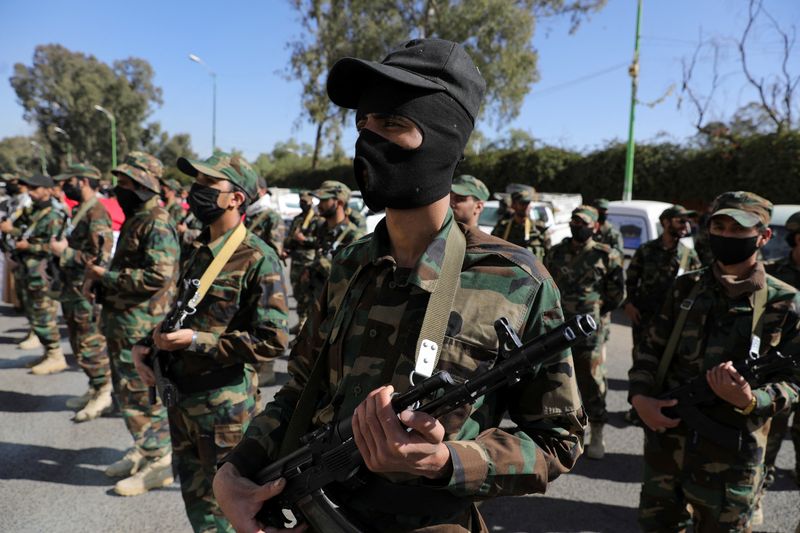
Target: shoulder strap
(259, 218)
(34, 221)
(307, 220)
(677, 330)
(759, 302)
(345, 232)
(684, 260)
(231, 244)
(437, 314)
(83, 210)
(507, 232)
(527, 229)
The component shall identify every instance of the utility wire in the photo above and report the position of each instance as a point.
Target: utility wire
(580, 79)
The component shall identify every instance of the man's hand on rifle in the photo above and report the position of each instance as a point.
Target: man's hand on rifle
(22, 245)
(139, 354)
(58, 247)
(386, 446)
(174, 340)
(729, 385)
(649, 410)
(240, 499)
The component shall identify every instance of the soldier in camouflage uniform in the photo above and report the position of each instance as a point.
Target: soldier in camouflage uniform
(138, 288)
(264, 221)
(170, 190)
(591, 279)
(788, 271)
(681, 466)
(465, 457)
(14, 207)
(466, 199)
(33, 257)
(653, 269)
(607, 233)
(358, 220)
(519, 229)
(301, 229)
(332, 233)
(91, 239)
(241, 321)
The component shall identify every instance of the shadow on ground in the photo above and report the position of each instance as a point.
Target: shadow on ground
(541, 513)
(56, 465)
(22, 402)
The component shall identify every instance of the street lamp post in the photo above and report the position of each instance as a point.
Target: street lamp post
(110, 117)
(42, 157)
(213, 75)
(627, 188)
(69, 144)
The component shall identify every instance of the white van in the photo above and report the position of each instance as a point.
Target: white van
(777, 247)
(637, 221)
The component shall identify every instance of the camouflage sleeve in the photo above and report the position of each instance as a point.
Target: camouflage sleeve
(547, 411)
(46, 229)
(162, 252)
(633, 276)
(614, 283)
(98, 227)
(266, 431)
(262, 333)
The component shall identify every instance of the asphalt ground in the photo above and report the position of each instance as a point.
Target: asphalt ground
(51, 469)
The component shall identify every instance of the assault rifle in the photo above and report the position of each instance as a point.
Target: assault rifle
(330, 455)
(159, 360)
(54, 272)
(758, 371)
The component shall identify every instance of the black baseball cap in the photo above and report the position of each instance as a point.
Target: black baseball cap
(433, 64)
(38, 180)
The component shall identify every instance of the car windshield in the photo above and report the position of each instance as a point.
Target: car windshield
(633, 229)
(777, 247)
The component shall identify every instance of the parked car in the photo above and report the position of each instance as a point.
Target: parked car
(638, 222)
(777, 247)
(539, 211)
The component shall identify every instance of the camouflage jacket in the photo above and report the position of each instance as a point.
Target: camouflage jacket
(295, 248)
(357, 219)
(590, 278)
(269, 226)
(718, 329)
(243, 317)
(140, 283)
(785, 270)
(185, 239)
(327, 242)
(84, 246)
(40, 227)
(381, 317)
(536, 240)
(608, 234)
(651, 273)
(176, 212)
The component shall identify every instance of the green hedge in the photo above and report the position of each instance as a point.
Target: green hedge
(766, 164)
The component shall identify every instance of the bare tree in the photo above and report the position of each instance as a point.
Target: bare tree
(701, 103)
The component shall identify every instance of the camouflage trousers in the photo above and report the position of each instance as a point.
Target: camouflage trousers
(42, 312)
(722, 497)
(777, 432)
(147, 423)
(88, 344)
(302, 292)
(205, 427)
(590, 373)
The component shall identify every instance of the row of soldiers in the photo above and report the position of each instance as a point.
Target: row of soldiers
(588, 269)
(114, 295)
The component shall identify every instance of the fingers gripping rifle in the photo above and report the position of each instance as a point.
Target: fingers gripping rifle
(758, 371)
(329, 454)
(159, 360)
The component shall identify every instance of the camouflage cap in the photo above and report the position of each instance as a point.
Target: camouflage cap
(600, 203)
(746, 208)
(226, 167)
(8, 176)
(793, 223)
(676, 211)
(306, 196)
(333, 189)
(83, 170)
(147, 162)
(522, 196)
(172, 184)
(467, 185)
(586, 213)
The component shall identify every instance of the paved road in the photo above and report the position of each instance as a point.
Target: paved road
(51, 470)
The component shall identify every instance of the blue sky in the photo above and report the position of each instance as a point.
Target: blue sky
(581, 101)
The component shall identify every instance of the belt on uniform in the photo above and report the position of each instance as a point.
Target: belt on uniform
(224, 377)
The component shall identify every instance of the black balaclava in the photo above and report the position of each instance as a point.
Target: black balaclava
(581, 233)
(130, 201)
(203, 203)
(404, 179)
(72, 192)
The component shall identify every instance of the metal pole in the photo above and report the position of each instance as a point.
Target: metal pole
(113, 141)
(214, 114)
(627, 190)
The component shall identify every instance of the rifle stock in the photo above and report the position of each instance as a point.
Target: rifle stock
(329, 454)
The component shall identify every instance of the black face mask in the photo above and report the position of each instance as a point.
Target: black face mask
(601, 218)
(72, 192)
(130, 201)
(391, 176)
(581, 233)
(732, 250)
(41, 204)
(203, 203)
(12, 189)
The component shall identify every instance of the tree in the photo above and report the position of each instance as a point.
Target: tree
(168, 148)
(496, 33)
(61, 88)
(18, 155)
